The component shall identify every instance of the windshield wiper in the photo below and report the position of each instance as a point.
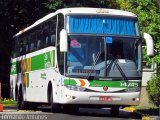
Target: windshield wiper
(119, 68)
(93, 66)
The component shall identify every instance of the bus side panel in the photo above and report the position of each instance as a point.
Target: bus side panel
(38, 74)
(13, 86)
(38, 85)
(33, 71)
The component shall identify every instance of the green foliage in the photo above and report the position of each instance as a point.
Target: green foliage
(153, 89)
(57, 4)
(123, 4)
(6, 101)
(148, 13)
(54, 4)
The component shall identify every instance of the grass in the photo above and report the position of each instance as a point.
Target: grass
(7, 101)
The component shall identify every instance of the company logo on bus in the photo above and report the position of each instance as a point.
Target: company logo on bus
(105, 88)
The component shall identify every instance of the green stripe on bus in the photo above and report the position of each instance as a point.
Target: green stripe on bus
(38, 62)
(14, 68)
(121, 83)
(70, 82)
(99, 83)
(27, 75)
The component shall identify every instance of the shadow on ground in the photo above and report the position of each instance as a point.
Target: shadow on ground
(102, 113)
(91, 112)
(150, 112)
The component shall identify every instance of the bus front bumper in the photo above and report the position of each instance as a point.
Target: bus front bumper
(97, 98)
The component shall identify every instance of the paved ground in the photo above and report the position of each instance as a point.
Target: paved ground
(144, 101)
(43, 113)
(11, 112)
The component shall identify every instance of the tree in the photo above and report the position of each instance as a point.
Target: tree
(148, 13)
(57, 4)
(153, 89)
(15, 15)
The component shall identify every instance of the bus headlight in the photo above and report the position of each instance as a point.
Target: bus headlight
(75, 88)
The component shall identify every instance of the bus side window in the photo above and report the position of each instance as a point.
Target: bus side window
(38, 44)
(52, 30)
(47, 41)
(15, 48)
(27, 49)
(20, 50)
(53, 39)
(60, 55)
(32, 47)
(45, 34)
(39, 38)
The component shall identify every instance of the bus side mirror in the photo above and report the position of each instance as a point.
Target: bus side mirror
(63, 41)
(149, 44)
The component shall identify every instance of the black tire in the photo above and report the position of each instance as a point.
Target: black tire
(70, 109)
(114, 111)
(55, 107)
(32, 106)
(21, 104)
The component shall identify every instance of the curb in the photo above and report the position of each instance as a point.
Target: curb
(139, 114)
(9, 105)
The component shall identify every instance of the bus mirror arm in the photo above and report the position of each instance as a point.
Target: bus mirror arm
(149, 44)
(63, 41)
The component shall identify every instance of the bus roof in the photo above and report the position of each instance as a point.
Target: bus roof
(79, 10)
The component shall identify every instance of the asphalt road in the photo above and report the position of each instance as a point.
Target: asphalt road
(11, 113)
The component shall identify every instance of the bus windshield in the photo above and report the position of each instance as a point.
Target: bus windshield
(104, 57)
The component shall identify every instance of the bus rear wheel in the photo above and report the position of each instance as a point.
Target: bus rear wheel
(22, 105)
(114, 111)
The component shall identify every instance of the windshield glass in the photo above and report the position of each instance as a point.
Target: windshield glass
(103, 57)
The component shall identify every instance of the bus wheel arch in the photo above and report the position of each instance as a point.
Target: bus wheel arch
(49, 91)
(16, 93)
(55, 107)
(21, 103)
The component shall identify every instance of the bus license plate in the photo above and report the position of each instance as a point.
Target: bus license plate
(105, 98)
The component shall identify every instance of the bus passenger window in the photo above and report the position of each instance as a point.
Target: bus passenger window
(32, 47)
(27, 49)
(53, 39)
(38, 44)
(47, 41)
(20, 50)
(45, 34)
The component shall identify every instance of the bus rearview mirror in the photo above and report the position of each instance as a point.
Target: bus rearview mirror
(149, 44)
(63, 41)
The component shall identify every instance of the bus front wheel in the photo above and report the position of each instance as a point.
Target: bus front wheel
(55, 107)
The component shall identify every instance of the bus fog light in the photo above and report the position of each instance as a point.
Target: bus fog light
(68, 96)
(136, 99)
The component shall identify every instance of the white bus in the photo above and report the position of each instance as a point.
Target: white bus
(79, 57)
